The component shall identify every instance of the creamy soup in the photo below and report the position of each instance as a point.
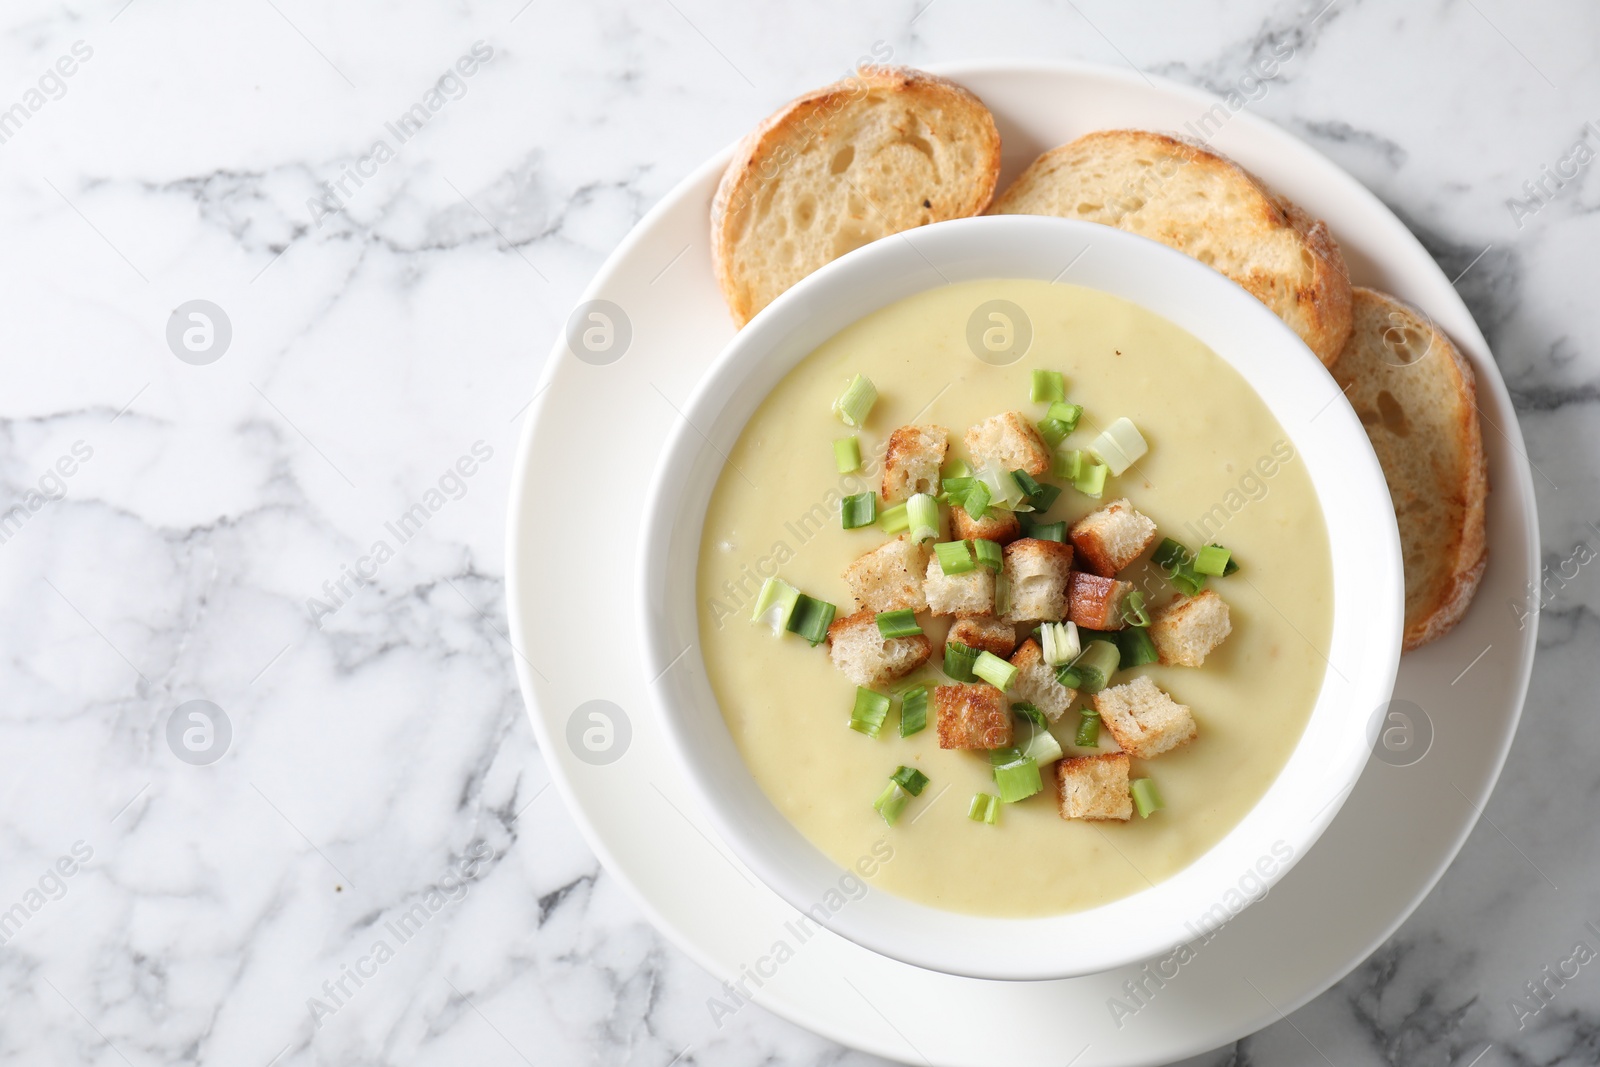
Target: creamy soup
(1219, 469)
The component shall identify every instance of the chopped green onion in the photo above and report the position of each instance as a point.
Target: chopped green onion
(1048, 386)
(1091, 479)
(989, 554)
(1145, 797)
(955, 467)
(1135, 647)
(1119, 445)
(1002, 595)
(1042, 748)
(922, 511)
(1026, 483)
(994, 670)
(1017, 780)
(775, 604)
(858, 510)
(1213, 560)
(811, 618)
(847, 454)
(869, 712)
(1060, 642)
(1039, 497)
(892, 801)
(985, 807)
(911, 780)
(1096, 665)
(892, 624)
(1088, 735)
(1004, 492)
(1054, 431)
(1176, 563)
(1069, 677)
(958, 660)
(1068, 464)
(1066, 414)
(955, 557)
(895, 519)
(856, 401)
(1048, 531)
(1133, 612)
(913, 710)
(1032, 714)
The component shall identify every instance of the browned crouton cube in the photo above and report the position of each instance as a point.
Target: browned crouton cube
(971, 593)
(1110, 538)
(911, 463)
(1036, 682)
(997, 525)
(1096, 602)
(1037, 572)
(985, 633)
(869, 659)
(1008, 442)
(972, 716)
(1145, 721)
(889, 578)
(1186, 630)
(1095, 787)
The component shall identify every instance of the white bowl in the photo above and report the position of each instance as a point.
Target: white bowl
(1368, 593)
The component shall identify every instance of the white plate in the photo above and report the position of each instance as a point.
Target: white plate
(601, 424)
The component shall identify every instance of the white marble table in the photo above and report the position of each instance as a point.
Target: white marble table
(209, 532)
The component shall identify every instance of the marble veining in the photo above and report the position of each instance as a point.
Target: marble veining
(381, 784)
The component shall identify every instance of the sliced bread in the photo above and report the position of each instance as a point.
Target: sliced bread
(1206, 206)
(884, 151)
(1416, 396)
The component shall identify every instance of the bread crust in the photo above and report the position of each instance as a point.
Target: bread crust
(1440, 506)
(760, 157)
(1318, 310)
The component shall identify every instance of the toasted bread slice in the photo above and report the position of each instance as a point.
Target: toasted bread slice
(1417, 398)
(974, 716)
(1094, 787)
(887, 150)
(1206, 206)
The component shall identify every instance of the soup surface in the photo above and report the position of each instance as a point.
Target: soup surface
(1219, 469)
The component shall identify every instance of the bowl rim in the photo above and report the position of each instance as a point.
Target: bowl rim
(810, 309)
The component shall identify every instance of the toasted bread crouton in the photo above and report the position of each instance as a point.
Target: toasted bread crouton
(866, 657)
(911, 463)
(1037, 571)
(1008, 442)
(985, 633)
(1095, 787)
(1096, 602)
(1416, 396)
(1110, 538)
(971, 593)
(889, 578)
(997, 524)
(1186, 630)
(1036, 682)
(1145, 721)
(972, 716)
(885, 150)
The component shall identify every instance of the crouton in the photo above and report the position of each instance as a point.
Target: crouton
(1008, 442)
(1145, 721)
(866, 657)
(1096, 602)
(985, 633)
(1110, 538)
(998, 525)
(1186, 630)
(911, 463)
(1095, 787)
(1037, 572)
(972, 716)
(1036, 682)
(889, 578)
(971, 593)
